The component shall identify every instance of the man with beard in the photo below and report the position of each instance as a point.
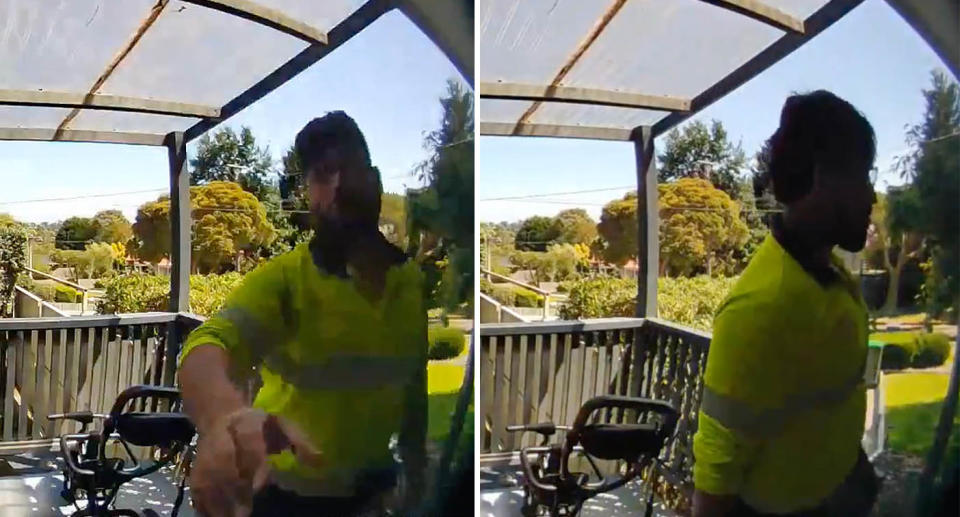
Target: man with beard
(337, 330)
(782, 413)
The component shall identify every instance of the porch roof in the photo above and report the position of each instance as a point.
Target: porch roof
(133, 71)
(601, 70)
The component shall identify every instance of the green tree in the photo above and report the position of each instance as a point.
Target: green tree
(576, 226)
(100, 257)
(618, 229)
(698, 151)
(112, 226)
(890, 236)
(496, 246)
(697, 239)
(536, 233)
(76, 232)
(537, 263)
(152, 230)
(235, 157)
(933, 170)
(77, 261)
(13, 244)
(393, 217)
(564, 259)
(440, 215)
(226, 221)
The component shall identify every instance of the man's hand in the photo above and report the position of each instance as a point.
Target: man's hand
(231, 465)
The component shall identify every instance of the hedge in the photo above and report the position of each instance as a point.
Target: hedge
(932, 350)
(65, 294)
(149, 293)
(912, 349)
(445, 342)
(511, 295)
(527, 298)
(688, 301)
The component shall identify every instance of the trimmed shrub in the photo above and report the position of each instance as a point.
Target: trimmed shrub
(148, 293)
(503, 293)
(899, 351)
(526, 298)
(445, 343)
(135, 293)
(511, 295)
(600, 298)
(932, 350)
(897, 356)
(47, 292)
(688, 301)
(66, 294)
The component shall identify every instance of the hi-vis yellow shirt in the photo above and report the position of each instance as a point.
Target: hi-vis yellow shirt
(783, 405)
(337, 364)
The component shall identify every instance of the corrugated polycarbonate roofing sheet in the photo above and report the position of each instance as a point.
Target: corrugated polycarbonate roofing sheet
(677, 48)
(178, 58)
(569, 52)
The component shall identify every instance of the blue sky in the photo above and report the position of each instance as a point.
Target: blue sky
(389, 78)
(871, 57)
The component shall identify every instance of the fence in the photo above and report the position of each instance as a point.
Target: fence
(545, 371)
(56, 365)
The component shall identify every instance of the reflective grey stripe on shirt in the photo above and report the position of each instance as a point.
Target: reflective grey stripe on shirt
(764, 423)
(254, 336)
(344, 372)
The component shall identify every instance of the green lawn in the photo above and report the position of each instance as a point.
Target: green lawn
(443, 386)
(895, 338)
(904, 319)
(913, 403)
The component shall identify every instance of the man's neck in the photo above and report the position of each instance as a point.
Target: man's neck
(804, 246)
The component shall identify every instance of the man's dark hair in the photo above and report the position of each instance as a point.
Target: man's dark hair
(333, 131)
(816, 128)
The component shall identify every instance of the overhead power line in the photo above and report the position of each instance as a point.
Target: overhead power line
(85, 196)
(532, 196)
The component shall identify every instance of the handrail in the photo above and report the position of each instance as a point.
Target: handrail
(501, 308)
(67, 283)
(43, 303)
(560, 326)
(537, 290)
(98, 321)
(676, 327)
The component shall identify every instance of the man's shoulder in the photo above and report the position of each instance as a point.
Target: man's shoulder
(771, 282)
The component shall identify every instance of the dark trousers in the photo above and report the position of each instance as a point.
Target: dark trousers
(274, 501)
(853, 498)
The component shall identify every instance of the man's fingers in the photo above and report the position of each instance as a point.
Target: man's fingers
(284, 434)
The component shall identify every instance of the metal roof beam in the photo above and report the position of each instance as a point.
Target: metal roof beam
(104, 102)
(936, 22)
(79, 135)
(814, 24)
(449, 24)
(265, 16)
(346, 29)
(761, 12)
(532, 92)
(578, 52)
(117, 58)
(552, 130)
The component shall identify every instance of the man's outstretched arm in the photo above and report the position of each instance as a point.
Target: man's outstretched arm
(208, 393)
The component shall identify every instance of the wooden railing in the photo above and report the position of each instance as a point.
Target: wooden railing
(537, 372)
(55, 365)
